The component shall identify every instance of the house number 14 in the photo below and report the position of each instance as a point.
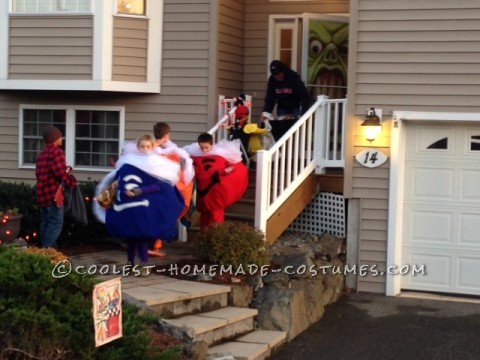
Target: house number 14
(371, 158)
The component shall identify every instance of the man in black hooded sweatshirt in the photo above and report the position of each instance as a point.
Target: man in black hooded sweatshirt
(286, 90)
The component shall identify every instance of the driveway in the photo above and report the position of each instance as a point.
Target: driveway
(371, 326)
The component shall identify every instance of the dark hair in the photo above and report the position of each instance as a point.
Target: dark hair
(205, 138)
(161, 129)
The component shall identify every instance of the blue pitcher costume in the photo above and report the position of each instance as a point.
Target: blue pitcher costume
(152, 214)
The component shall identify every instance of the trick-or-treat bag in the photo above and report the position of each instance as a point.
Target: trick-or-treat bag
(75, 205)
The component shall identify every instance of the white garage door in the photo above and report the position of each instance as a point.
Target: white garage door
(441, 219)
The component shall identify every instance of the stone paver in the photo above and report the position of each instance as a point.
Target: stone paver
(231, 314)
(242, 351)
(270, 338)
(154, 296)
(194, 288)
(198, 324)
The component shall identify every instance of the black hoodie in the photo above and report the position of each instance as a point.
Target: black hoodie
(289, 94)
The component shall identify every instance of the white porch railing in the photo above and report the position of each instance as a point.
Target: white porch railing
(315, 142)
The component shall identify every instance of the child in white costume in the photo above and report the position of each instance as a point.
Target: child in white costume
(229, 150)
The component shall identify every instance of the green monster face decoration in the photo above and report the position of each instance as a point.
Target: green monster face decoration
(328, 59)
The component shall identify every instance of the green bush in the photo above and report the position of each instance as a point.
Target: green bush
(23, 197)
(231, 243)
(41, 315)
(51, 318)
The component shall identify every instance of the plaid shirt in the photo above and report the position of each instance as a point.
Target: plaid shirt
(50, 172)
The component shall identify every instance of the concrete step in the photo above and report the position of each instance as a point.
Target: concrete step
(216, 326)
(256, 345)
(173, 298)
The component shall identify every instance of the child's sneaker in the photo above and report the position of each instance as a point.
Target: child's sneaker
(157, 245)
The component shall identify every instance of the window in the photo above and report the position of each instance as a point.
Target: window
(92, 137)
(441, 144)
(131, 7)
(475, 143)
(284, 41)
(50, 6)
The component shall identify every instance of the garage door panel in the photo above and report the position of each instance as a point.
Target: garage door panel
(437, 270)
(431, 227)
(428, 140)
(470, 185)
(432, 183)
(468, 273)
(469, 230)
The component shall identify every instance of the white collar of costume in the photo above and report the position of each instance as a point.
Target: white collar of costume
(154, 165)
(229, 150)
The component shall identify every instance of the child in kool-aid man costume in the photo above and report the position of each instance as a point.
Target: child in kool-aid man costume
(146, 203)
(221, 177)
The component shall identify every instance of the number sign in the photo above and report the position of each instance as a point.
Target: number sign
(371, 158)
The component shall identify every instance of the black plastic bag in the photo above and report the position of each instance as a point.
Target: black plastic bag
(75, 205)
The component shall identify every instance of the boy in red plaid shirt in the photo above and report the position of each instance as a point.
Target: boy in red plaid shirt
(51, 170)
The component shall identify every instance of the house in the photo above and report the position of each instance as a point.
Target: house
(108, 70)
(105, 71)
(417, 62)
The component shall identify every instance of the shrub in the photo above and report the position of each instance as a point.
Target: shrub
(22, 196)
(51, 318)
(41, 315)
(231, 243)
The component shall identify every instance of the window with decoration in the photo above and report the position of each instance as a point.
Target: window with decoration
(131, 7)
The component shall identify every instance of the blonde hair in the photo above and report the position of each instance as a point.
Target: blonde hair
(148, 138)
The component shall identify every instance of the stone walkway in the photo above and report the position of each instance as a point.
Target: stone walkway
(193, 310)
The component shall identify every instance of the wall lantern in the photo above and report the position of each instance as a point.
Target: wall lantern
(373, 124)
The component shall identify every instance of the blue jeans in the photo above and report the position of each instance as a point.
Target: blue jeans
(51, 225)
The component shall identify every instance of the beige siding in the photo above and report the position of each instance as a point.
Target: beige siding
(187, 96)
(50, 47)
(415, 55)
(187, 100)
(130, 49)
(256, 38)
(231, 49)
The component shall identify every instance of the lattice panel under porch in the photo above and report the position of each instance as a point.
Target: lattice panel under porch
(325, 214)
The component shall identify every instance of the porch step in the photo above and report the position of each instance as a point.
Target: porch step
(218, 325)
(257, 345)
(244, 206)
(230, 216)
(173, 298)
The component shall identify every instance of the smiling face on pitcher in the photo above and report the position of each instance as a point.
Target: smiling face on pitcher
(216, 187)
